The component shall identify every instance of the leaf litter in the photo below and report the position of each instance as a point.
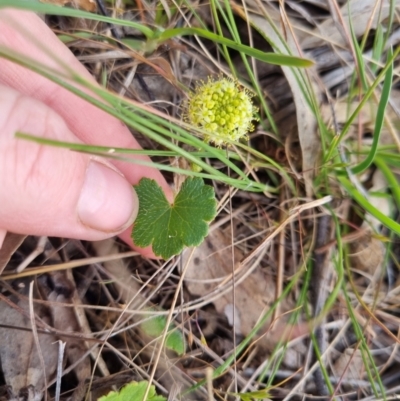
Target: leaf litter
(221, 300)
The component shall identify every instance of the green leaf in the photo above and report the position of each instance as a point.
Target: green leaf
(363, 202)
(379, 119)
(271, 58)
(169, 228)
(134, 391)
(155, 326)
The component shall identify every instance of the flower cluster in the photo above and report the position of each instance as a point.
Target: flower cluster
(222, 109)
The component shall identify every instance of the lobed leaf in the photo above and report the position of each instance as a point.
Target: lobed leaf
(169, 228)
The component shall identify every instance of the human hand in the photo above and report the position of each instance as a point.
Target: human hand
(53, 191)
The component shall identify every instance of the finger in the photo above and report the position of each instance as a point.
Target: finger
(52, 191)
(3, 234)
(147, 252)
(89, 123)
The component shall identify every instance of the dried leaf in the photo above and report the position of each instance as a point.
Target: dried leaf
(163, 67)
(349, 365)
(367, 253)
(342, 111)
(10, 245)
(360, 13)
(210, 265)
(64, 320)
(19, 356)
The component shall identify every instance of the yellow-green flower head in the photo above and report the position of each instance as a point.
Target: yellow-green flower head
(222, 109)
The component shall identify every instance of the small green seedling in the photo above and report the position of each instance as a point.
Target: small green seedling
(133, 391)
(169, 228)
(155, 326)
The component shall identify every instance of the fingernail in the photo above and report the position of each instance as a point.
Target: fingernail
(107, 201)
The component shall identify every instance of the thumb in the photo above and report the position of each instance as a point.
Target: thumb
(52, 191)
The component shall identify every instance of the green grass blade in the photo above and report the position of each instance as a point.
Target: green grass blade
(271, 58)
(234, 182)
(392, 180)
(359, 55)
(147, 124)
(363, 202)
(333, 147)
(51, 9)
(368, 360)
(361, 339)
(392, 14)
(214, 5)
(380, 118)
(377, 49)
(107, 150)
(339, 263)
(278, 353)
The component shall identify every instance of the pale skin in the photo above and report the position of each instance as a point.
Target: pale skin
(51, 191)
